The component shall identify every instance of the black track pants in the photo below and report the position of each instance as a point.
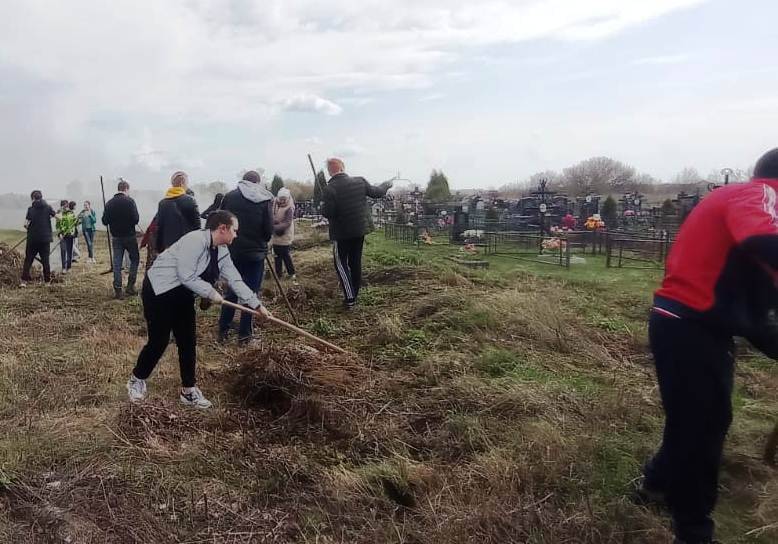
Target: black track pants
(694, 367)
(348, 264)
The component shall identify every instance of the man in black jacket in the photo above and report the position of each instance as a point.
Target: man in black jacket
(121, 217)
(177, 213)
(345, 201)
(38, 225)
(252, 204)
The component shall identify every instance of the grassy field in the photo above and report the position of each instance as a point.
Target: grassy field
(514, 404)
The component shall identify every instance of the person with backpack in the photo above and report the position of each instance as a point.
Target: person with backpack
(252, 204)
(187, 268)
(283, 232)
(66, 231)
(344, 205)
(719, 283)
(177, 213)
(39, 235)
(88, 220)
(121, 217)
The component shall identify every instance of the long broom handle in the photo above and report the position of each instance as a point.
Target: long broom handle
(282, 323)
(281, 289)
(107, 229)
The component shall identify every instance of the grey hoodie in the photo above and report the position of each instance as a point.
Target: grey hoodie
(255, 192)
(184, 262)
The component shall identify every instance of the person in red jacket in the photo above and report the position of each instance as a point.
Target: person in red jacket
(720, 282)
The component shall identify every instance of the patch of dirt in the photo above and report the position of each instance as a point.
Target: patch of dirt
(389, 275)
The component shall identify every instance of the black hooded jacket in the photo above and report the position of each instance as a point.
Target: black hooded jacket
(39, 229)
(175, 217)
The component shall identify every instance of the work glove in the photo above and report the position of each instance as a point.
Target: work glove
(215, 297)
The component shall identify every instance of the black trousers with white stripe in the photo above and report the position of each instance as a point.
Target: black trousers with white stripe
(348, 265)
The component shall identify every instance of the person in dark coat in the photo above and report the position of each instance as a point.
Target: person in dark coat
(344, 205)
(39, 236)
(252, 204)
(217, 204)
(177, 213)
(121, 217)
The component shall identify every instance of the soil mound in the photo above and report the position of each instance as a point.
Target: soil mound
(299, 385)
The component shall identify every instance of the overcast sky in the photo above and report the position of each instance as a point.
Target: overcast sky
(489, 91)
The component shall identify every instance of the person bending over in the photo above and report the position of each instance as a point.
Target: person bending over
(187, 268)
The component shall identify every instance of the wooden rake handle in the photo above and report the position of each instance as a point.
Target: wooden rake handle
(282, 323)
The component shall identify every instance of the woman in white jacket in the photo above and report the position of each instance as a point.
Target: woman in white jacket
(187, 268)
(283, 232)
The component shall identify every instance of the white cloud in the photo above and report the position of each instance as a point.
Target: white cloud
(349, 148)
(663, 59)
(312, 104)
(240, 64)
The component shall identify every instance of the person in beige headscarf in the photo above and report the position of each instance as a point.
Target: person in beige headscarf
(283, 232)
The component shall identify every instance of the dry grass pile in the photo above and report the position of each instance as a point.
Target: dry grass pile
(158, 425)
(88, 506)
(11, 262)
(299, 385)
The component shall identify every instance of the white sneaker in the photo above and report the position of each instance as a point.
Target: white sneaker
(136, 389)
(194, 397)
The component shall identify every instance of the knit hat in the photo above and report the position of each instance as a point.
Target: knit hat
(283, 192)
(251, 176)
(767, 165)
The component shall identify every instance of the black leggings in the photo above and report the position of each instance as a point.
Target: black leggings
(694, 367)
(174, 312)
(283, 258)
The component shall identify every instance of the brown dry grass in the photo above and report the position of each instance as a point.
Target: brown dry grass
(474, 411)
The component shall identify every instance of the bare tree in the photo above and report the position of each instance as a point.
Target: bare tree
(598, 174)
(688, 175)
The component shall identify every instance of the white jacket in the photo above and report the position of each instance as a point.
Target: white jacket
(183, 262)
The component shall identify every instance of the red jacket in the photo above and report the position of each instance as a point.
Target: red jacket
(723, 266)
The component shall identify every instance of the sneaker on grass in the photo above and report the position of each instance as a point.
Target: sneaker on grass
(192, 396)
(136, 389)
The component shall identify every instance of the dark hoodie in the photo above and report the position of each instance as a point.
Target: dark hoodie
(177, 215)
(252, 204)
(39, 215)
